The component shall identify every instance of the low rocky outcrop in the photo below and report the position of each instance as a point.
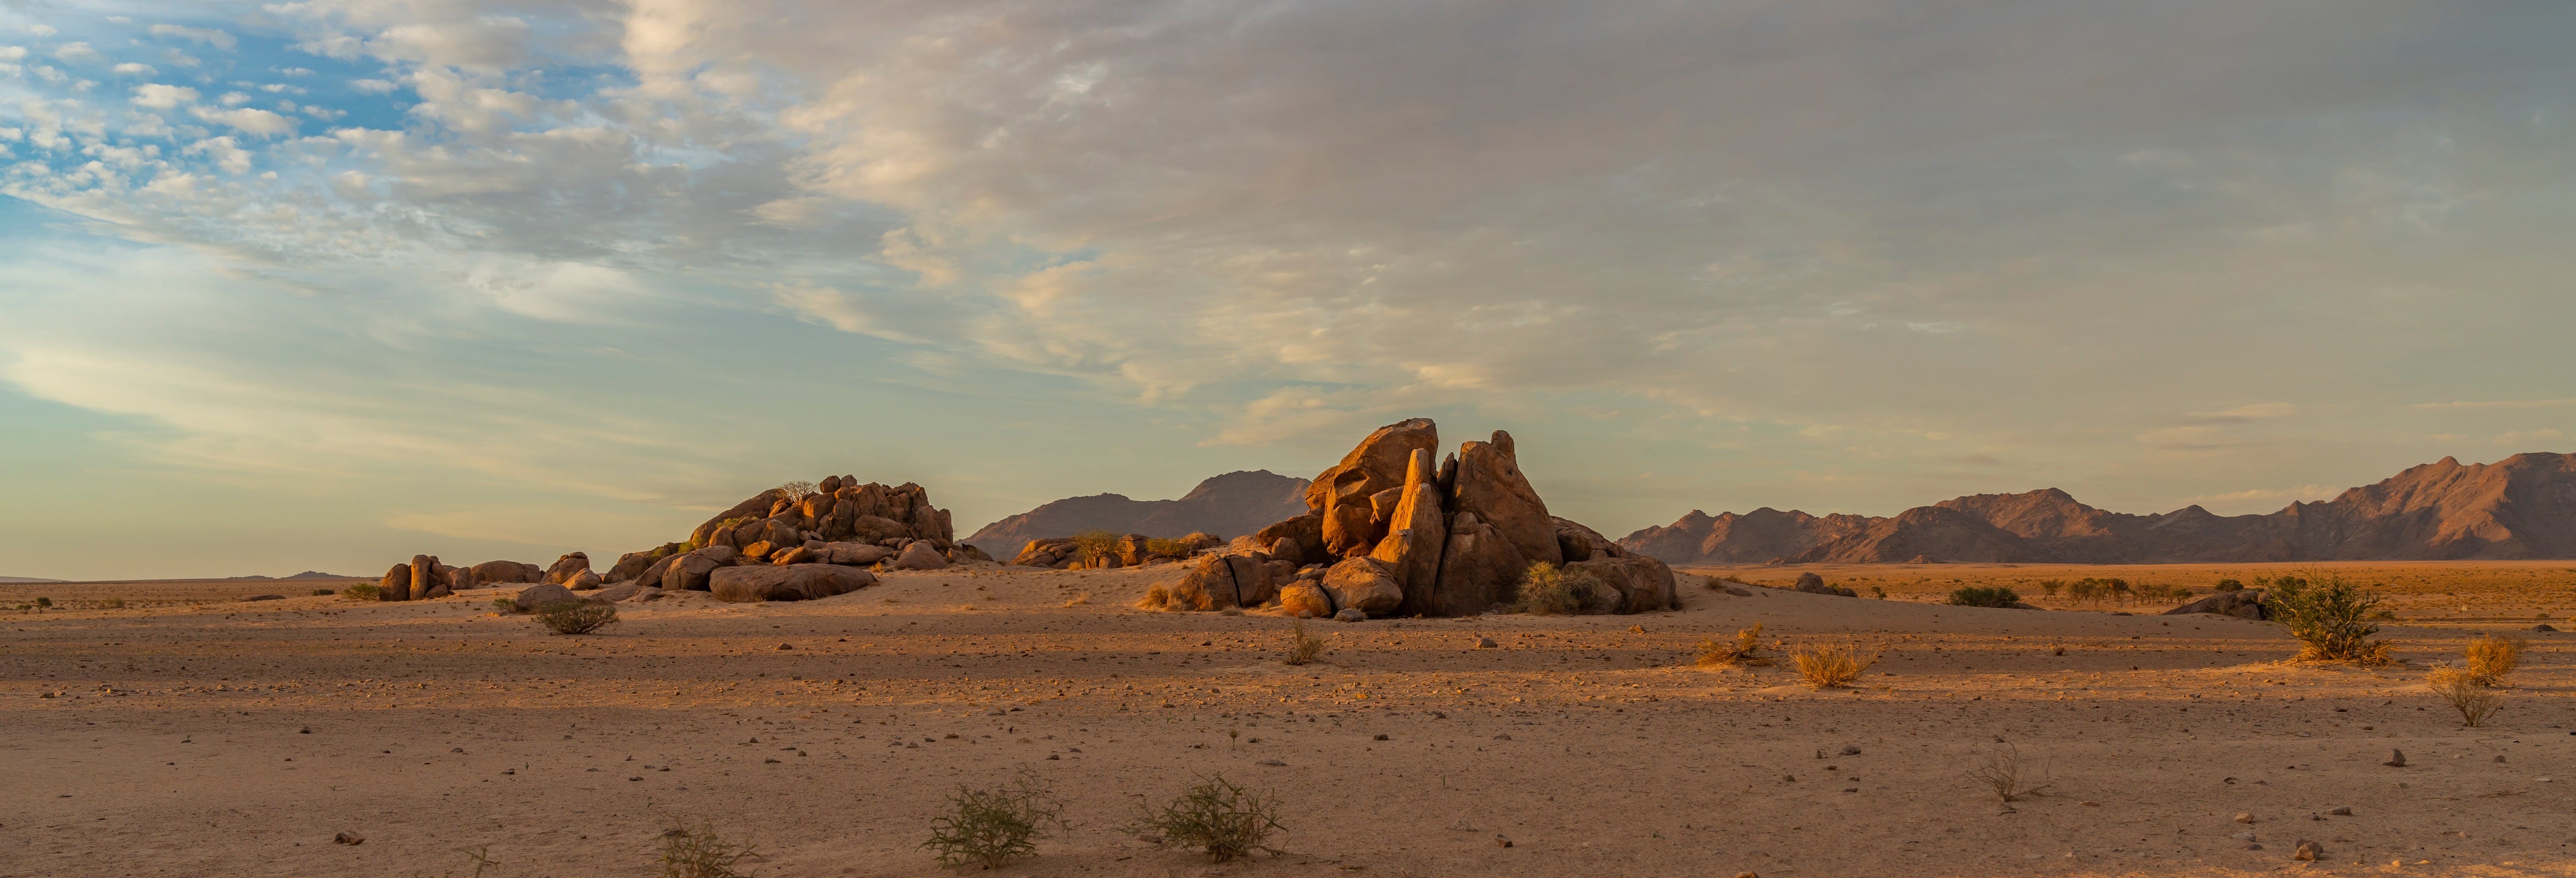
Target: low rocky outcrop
(918, 555)
(505, 572)
(1387, 532)
(1130, 550)
(793, 582)
(422, 579)
(2245, 604)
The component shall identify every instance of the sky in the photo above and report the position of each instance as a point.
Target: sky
(326, 284)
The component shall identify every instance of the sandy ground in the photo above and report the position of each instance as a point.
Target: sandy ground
(193, 734)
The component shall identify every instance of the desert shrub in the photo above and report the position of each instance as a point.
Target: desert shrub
(1162, 548)
(2081, 591)
(991, 827)
(42, 603)
(1156, 598)
(2461, 689)
(2003, 771)
(577, 617)
(1984, 596)
(1092, 545)
(322, 592)
(1549, 590)
(1218, 817)
(2050, 587)
(797, 490)
(119, 603)
(1832, 665)
(2491, 657)
(701, 853)
(2330, 617)
(505, 605)
(2230, 585)
(1303, 646)
(1744, 650)
(1877, 592)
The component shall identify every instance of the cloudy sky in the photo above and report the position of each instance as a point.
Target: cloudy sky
(328, 283)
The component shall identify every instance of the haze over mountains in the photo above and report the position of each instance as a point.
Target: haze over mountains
(2521, 507)
(1229, 505)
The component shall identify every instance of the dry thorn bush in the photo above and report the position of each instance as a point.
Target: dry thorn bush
(1831, 665)
(364, 591)
(2001, 771)
(1549, 590)
(701, 853)
(2461, 688)
(1303, 646)
(2491, 658)
(1092, 545)
(2330, 617)
(1217, 817)
(991, 827)
(577, 617)
(1156, 598)
(1745, 651)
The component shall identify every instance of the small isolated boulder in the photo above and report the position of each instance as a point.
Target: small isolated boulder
(1642, 584)
(1305, 599)
(567, 567)
(794, 582)
(919, 555)
(1350, 614)
(583, 581)
(1812, 584)
(966, 553)
(534, 596)
(1365, 584)
(2245, 604)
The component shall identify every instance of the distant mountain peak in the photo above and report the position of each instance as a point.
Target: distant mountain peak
(1228, 505)
(2521, 507)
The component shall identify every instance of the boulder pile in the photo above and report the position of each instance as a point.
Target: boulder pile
(782, 546)
(1387, 532)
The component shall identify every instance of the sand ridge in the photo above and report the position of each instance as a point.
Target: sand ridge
(176, 739)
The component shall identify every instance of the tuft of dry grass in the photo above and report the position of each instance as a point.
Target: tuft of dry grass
(701, 853)
(2002, 769)
(1745, 651)
(1078, 599)
(364, 591)
(1217, 817)
(1832, 665)
(2492, 657)
(1303, 646)
(1548, 590)
(1156, 598)
(577, 617)
(2461, 689)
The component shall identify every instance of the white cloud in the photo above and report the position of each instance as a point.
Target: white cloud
(13, 53)
(209, 36)
(163, 97)
(248, 120)
(134, 69)
(78, 53)
(372, 86)
(225, 152)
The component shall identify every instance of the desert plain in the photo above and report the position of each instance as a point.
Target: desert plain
(192, 732)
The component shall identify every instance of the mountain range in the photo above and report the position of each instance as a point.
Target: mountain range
(1229, 505)
(2523, 506)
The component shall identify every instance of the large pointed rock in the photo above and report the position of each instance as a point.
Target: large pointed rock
(1491, 486)
(424, 577)
(1415, 535)
(1478, 568)
(1345, 493)
(567, 567)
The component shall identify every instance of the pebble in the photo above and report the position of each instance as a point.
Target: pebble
(2309, 851)
(349, 838)
(2242, 817)
(1486, 643)
(2396, 759)
(2344, 811)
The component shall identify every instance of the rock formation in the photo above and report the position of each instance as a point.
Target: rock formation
(1385, 532)
(2521, 507)
(793, 582)
(1226, 506)
(567, 567)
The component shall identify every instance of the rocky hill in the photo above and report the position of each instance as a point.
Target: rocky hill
(2521, 507)
(1229, 505)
